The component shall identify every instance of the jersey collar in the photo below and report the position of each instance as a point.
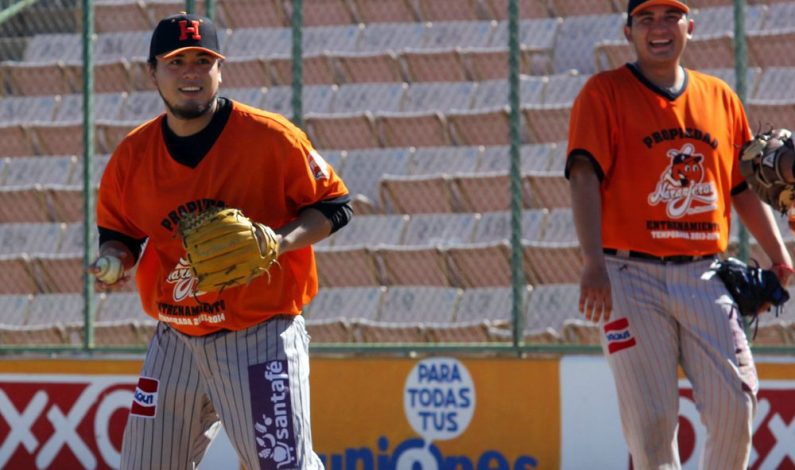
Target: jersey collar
(660, 91)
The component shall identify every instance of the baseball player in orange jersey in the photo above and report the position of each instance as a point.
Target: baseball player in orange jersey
(238, 356)
(653, 170)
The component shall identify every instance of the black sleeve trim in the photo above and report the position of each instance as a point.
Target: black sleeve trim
(596, 167)
(739, 188)
(338, 210)
(133, 244)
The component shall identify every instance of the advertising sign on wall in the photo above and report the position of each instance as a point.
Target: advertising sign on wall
(592, 428)
(437, 412)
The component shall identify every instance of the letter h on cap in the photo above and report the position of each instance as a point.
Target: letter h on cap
(193, 29)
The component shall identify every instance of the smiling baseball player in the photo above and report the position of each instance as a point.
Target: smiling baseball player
(654, 170)
(229, 199)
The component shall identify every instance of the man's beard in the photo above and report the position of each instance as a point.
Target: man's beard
(191, 111)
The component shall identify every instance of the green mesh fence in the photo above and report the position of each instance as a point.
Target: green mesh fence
(410, 101)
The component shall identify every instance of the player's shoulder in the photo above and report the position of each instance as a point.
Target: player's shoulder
(608, 79)
(138, 139)
(708, 80)
(266, 123)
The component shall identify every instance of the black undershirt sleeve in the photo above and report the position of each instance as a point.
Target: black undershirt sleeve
(337, 210)
(133, 244)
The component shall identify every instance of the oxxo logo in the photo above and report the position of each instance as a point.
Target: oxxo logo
(773, 428)
(61, 422)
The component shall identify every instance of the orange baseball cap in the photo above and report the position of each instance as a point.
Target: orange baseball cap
(638, 5)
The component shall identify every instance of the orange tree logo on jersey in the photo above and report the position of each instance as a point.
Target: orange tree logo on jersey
(682, 187)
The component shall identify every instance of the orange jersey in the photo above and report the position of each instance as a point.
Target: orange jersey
(669, 165)
(261, 164)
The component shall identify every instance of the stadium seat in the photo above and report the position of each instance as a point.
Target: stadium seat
(576, 33)
(452, 10)
(766, 112)
(15, 141)
(582, 7)
(317, 69)
(16, 275)
(547, 123)
(492, 304)
(120, 320)
(414, 266)
(548, 307)
(59, 273)
(482, 264)
(487, 192)
(386, 11)
(368, 97)
(241, 72)
(55, 319)
(343, 131)
(413, 128)
(480, 126)
(347, 266)
(349, 303)
(428, 188)
(252, 96)
(550, 187)
(65, 133)
(719, 19)
(29, 238)
(753, 78)
(419, 194)
(13, 315)
(331, 312)
(775, 83)
(349, 260)
(496, 226)
(41, 71)
(121, 15)
(364, 169)
(563, 88)
(716, 51)
(527, 9)
(434, 65)
(406, 310)
(26, 182)
(370, 67)
(253, 13)
(769, 48)
(324, 12)
(371, 230)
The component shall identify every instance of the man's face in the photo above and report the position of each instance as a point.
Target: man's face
(659, 34)
(188, 82)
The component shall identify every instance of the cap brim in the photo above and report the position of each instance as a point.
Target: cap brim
(652, 3)
(171, 54)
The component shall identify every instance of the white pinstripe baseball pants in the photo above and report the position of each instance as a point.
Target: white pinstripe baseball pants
(254, 381)
(673, 316)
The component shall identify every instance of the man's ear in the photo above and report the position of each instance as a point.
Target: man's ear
(628, 33)
(691, 25)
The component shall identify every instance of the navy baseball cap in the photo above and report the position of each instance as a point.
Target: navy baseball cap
(182, 32)
(638, 5)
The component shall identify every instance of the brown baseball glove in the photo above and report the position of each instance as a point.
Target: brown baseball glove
(225, 248)
(761, 162)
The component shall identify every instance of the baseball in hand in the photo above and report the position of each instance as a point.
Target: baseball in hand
(110, 269)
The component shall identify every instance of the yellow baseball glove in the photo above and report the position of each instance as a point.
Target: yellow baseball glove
(226, 249)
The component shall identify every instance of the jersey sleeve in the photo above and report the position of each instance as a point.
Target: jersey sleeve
(110, 203)
(310, 178)
(589, 128)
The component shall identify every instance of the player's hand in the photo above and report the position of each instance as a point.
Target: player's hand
(596, 302)
(108, 271)
(783, 272)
